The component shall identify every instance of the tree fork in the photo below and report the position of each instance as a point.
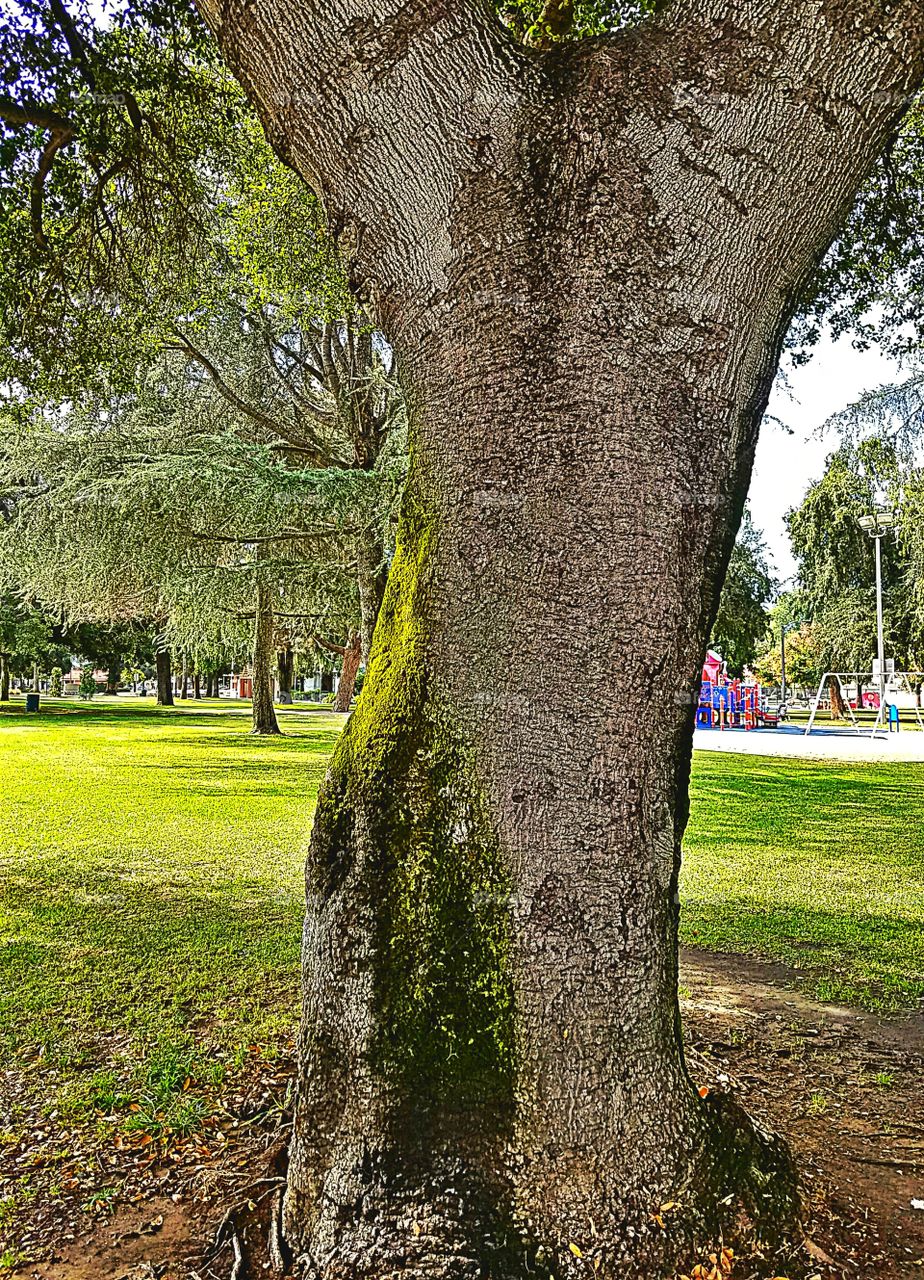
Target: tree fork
(587, 261)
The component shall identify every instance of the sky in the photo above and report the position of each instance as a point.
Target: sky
(835, 377)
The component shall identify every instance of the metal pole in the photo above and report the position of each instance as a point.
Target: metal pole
(879, 622)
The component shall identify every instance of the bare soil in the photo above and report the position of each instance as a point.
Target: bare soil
(845, 1088)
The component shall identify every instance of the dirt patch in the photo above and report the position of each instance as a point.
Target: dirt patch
(842, 1085)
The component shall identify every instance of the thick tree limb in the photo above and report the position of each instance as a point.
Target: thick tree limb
(35, 113)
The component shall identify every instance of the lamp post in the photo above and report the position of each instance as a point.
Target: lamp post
(877, 525)
(787, 626)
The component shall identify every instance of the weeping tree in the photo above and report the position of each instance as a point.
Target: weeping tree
(837, 573)
(224, 532)
(742, 621)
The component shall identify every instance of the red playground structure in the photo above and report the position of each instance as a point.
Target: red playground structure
(729, 704)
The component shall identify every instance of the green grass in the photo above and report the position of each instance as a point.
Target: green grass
(151, 875)
(151, 894)
(816, 864)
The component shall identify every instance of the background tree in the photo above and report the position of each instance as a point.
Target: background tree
(742, 620)
(837, 561)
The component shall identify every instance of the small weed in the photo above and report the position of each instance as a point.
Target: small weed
(884, 1079)
(100, 1201)
(818, 1104)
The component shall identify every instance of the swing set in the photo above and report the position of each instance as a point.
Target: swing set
(896, 684)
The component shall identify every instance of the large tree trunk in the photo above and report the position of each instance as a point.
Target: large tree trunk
(285, 671)
(264, 712)
(164, 678)
(197, 686)
(4, 677)
(596, 253)
(352, 656)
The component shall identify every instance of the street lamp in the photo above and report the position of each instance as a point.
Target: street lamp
(787, 626)
(877, 525)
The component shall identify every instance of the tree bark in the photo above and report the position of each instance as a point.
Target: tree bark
(264, 712)
(164, 678)
(197, 686)
(352, 656)
(4, 677)
(114, 676)
(491, 1074)
(285, 670)
(184, 681)
(837, 699)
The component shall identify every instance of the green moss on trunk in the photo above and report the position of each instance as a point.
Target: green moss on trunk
(403, 806)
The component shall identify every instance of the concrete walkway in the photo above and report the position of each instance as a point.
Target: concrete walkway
(821, 744)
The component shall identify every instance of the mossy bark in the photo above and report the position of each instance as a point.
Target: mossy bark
(482, 1075)
(588, 260)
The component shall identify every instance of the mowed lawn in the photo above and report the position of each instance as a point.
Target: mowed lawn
(150, 872)
(820, 865)
(151, 866)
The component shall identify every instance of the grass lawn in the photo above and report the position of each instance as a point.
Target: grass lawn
(151, 875)
(817, 864)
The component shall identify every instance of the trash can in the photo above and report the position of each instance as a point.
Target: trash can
(32, 702)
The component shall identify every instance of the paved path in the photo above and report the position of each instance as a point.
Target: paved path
(821, 744)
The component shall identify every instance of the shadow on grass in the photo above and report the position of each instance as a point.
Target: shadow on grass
(109, 952)
(869, 959)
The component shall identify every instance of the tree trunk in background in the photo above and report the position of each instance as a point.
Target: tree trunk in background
(837, 699)
(114, 676)
(285, 670)
(184, 680)
(4, 677)
(264, 713)
(588, 261)
(371, 578)
(197, 686)
(352, 656)
(164, 679)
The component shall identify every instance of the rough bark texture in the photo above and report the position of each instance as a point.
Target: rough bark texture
(264, 712)
(838, 708)
(164, 678)
(352, 656)
(596, 251)
(285, 672)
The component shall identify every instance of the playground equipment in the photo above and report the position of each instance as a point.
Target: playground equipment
(730, 704)
(900, 690)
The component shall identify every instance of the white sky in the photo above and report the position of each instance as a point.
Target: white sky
(786, 464)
